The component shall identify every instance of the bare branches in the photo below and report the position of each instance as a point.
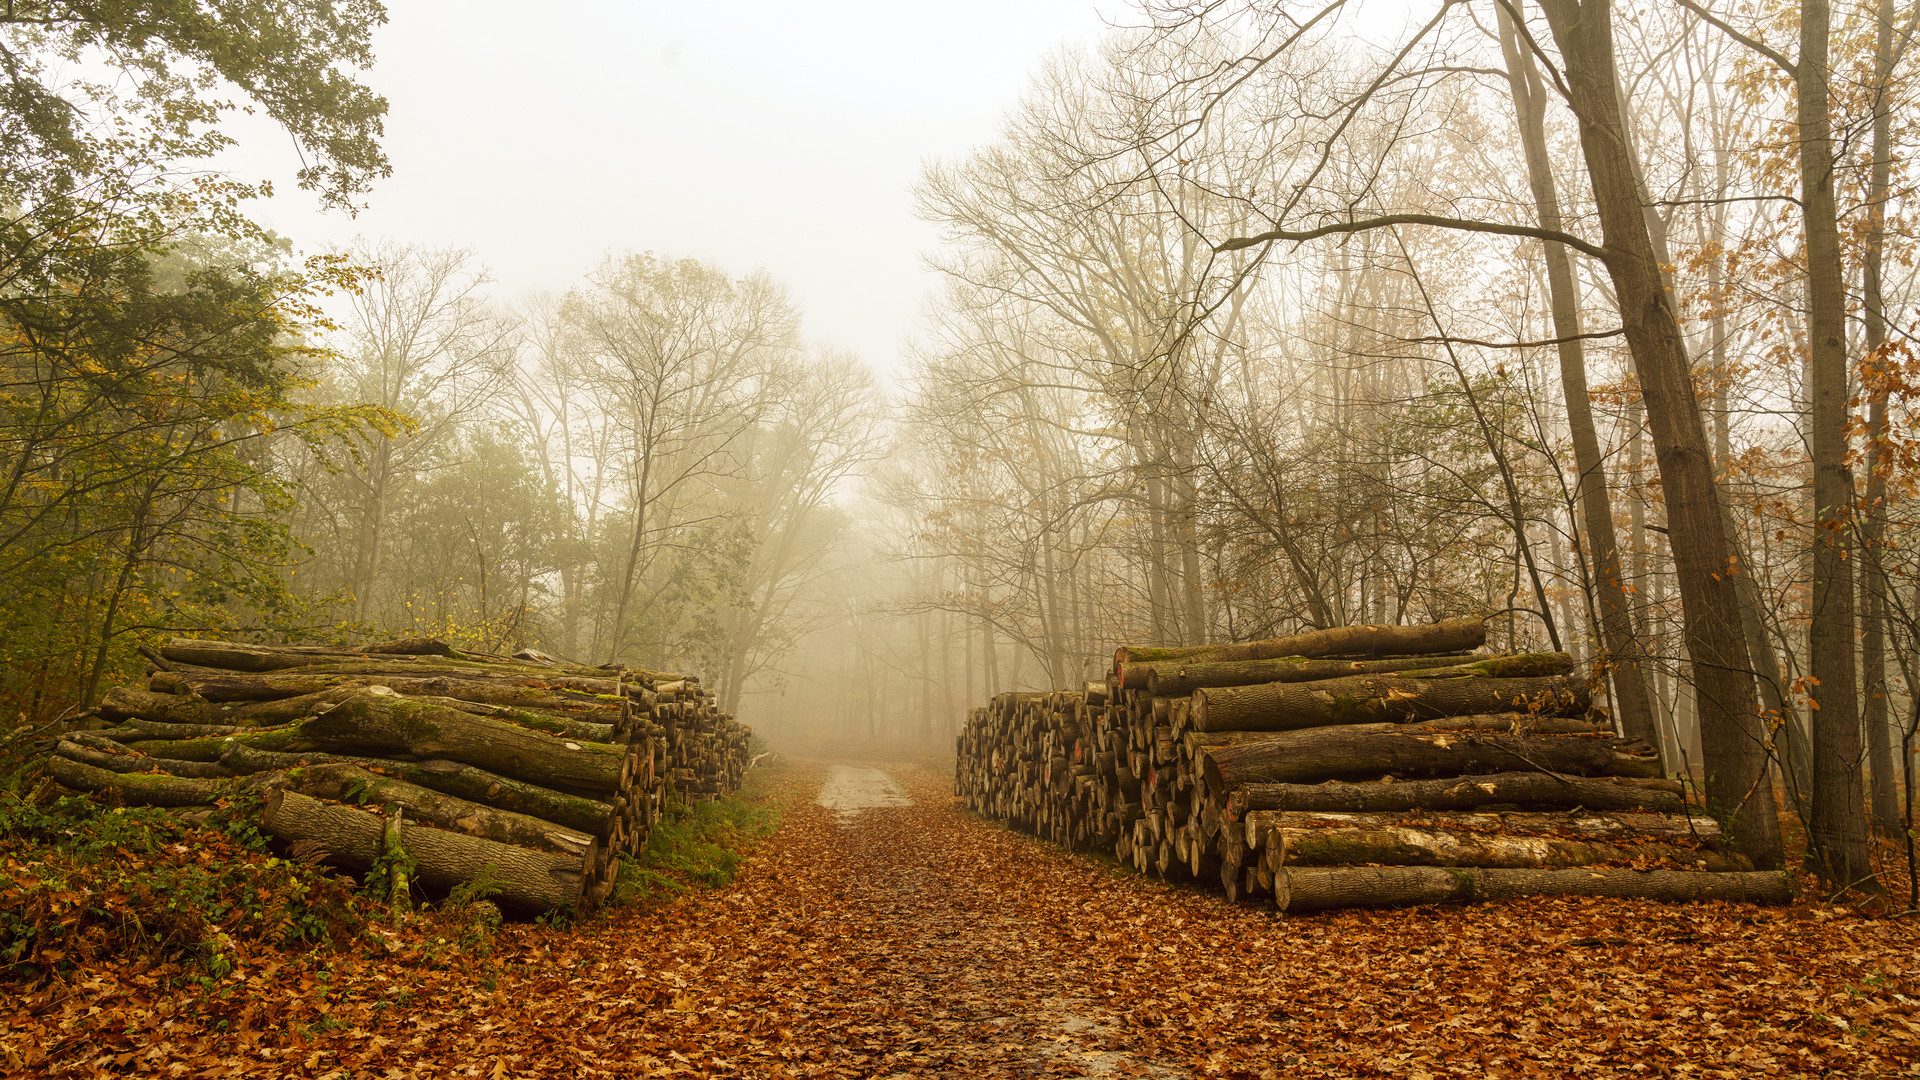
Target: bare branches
(1341, 228)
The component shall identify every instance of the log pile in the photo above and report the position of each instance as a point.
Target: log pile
(532, 773)
(1355, 766)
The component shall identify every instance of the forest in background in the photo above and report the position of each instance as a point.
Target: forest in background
(1247, 324)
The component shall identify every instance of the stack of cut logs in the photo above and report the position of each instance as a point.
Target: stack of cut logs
(531, 773)
(1355, 766)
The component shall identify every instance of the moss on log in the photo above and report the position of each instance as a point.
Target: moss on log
(527, 880)
(346, 782)
(139, 789)
(1413, 845)
(1371, 642)
(1366, 699)
(377, 719)
(1176, 678)
(1464, 793)
(1368, 751)
(123, 762)
(1307, 888)
(451, 777)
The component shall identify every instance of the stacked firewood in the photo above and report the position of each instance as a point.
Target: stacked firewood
(1362, 765)
(531, 773)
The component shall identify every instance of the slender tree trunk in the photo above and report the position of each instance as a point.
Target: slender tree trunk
(1192, 579)
(98, 668)
(373, 535)
(926, 677)
(1159, 594)
(1624, 656)
(632, 568)
(1837, 829)
(1873, 640)
(1735, 741)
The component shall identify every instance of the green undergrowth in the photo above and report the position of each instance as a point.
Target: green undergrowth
(699, 845)
(84, 882)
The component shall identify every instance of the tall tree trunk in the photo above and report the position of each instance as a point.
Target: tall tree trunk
(1192, 578)
(1625, 654)
(1837, 828)
(631, 570)
(373, 532)
(1873, 638)
(1159, 592)
(1739, 786)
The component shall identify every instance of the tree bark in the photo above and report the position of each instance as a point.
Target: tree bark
(343, 782)
(1304, 889)
(139, 763)
(1403, 845)
(1873, 638)
(212, 747)
(1451, 636)
(527, 880)
(1368, 751)
(1583, 825)
(444, 678)
(387, 722)
(1364, 699)
(123, 702)
(1175, 678)
(135, 729)
(239, 656)
(275, 696)
(1497, 723)
(1625, 653)
(1734, 741)
(140, 789)
(1837, 827)
(1463, 793)
(474, 785)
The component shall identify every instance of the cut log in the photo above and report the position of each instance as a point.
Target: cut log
(1495, 723)
(138, 763)
(139, 789)
(378, 719)
(1307, 888)
(527, 880)
(123, 702)
(1178, 678)
(1464, 793)
(211, 747)
(451, 777)
(275, 696)
(1450, 636)
(1367, 751)
(1366, 699)
(535, 688)
(241, 656)
(341, 782)
(1538, 665)
(1695, 829)
(135, 728)
(1403, 845)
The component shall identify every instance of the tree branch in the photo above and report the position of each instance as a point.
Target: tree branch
(1436, 220)
(1450, 340)
(1788, 66)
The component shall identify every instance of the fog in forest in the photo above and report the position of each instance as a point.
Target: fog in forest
(870, 361)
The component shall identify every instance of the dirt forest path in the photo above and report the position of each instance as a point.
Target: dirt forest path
(889, 934)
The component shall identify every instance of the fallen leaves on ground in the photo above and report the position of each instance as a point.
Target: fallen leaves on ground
(918, 941)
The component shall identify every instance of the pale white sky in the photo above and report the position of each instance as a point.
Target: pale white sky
(750, 134)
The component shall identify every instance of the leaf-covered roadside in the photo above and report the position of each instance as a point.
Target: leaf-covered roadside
(83, 884)
(917, 941)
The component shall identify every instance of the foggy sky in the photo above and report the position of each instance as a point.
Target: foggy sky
(782, 135)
